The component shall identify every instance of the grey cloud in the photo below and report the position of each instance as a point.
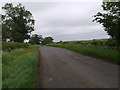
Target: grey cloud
(68, 15)
(66, 21)
(74, 33)
(70, 21)
(39, 6)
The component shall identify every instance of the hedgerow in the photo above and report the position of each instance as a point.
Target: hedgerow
(13, 45)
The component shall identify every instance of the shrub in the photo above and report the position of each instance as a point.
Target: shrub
(13, 45)
(111, 42)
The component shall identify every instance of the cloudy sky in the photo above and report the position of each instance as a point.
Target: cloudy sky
(66, 21)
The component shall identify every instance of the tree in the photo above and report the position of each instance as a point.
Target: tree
(110, 19)
(47, 40)
(5, 28)
(18, 22)
(36, 39)
(0, 29)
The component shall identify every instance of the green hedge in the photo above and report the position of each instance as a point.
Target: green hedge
(13, 45)
(108, 42)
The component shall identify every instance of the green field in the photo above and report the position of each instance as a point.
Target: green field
(20, 67)
(96, 48)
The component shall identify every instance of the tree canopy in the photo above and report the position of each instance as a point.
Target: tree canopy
(110, 19)
(36, 39)
(17, 23)
(47, 40)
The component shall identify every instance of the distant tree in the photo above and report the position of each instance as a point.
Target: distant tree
(60, 41)
(36, 39)
(47, 40)
(17, 23)
(110, 19)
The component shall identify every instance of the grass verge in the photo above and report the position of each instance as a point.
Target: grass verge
(20, 68)
(109, 54)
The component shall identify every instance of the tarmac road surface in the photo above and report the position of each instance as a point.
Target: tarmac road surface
(61, 68)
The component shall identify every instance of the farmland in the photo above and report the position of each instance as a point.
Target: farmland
(104, 49)
(19, 66)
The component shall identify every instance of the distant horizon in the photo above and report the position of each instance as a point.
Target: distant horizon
(83, 40)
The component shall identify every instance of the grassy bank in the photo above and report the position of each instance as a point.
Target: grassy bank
(108, 53)
(0, 65)
(20, 68)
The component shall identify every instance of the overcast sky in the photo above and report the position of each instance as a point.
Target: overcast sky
(66, 21)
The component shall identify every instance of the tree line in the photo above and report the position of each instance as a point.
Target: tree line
(38, 39)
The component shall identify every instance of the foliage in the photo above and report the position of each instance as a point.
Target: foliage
(20, 68)
(36, 39)
(107, 42)
(5, 28)
(13, 45)
(110, 19)
(47, 40)
(17, 23)
(111, 43)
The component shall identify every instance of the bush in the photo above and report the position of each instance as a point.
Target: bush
(13, 45)
(111, 42)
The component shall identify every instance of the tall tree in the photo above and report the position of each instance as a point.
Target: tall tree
(36, 39)
(47, 40)
(18, 22)
(110, 19)
(0, 28)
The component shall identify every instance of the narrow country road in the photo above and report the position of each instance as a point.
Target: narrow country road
(62, 68)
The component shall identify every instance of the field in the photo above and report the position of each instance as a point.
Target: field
(103, 49)
(20, 67)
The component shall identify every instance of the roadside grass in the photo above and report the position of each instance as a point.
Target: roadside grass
(103, 52)
(0, 70)
(19, 68)
(0, 65)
